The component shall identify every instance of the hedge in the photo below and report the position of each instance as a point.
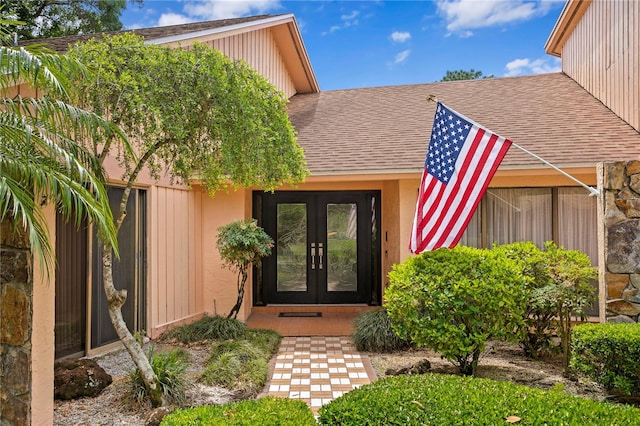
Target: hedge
(267, 411)
(435, 399)
(610, 355)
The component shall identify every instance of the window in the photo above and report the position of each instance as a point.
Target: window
(507, 215)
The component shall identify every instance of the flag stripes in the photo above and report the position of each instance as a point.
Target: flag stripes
(444, 208)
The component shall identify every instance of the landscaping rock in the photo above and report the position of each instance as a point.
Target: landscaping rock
(154, 418)
(77, 378)
(421, 367)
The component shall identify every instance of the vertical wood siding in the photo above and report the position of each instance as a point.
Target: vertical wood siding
(258, 49)
(175, 247)
(603, 55)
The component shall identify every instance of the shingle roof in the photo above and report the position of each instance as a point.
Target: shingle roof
(61, 44)
(387, 128)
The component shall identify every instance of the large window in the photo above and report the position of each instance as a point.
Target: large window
(506, 215)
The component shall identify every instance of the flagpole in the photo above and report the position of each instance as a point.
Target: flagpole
(593, 191)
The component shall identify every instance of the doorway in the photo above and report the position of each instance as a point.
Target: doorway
(327, 247)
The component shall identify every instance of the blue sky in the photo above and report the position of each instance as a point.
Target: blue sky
(381, 43)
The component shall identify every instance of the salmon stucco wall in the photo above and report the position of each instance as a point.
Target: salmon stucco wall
(219, 283)
(42, 335)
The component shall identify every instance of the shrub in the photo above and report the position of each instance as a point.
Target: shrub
(539, 325)
(169, 367)
(242, 243)
(610, 355)
(237, 364)
(208, 328)
(454, 301)
(266, 411)
(434, 399)
(373, 332)
(569, 291)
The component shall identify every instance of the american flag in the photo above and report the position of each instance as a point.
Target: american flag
(461, 160)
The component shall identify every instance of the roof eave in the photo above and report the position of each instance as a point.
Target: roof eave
(569, 18)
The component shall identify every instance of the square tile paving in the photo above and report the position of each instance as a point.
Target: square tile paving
(318, 369)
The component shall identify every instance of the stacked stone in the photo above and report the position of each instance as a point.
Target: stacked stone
(622, 235)
(16, 285)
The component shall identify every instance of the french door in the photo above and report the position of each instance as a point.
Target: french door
(326, 247)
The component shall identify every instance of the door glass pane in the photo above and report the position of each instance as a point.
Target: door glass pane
(342, 237)
(292, 247)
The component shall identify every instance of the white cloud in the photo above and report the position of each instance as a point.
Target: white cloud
(204, 10)
(172, 19)
(347, 21)
(538, 66)
(462, 16)
(402, 56)
(350, 17)
(400, 36)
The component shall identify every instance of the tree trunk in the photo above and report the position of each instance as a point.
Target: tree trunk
(116, 299)
(243, 275)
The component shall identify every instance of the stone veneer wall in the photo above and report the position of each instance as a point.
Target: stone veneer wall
(16, 313)
(622, 239)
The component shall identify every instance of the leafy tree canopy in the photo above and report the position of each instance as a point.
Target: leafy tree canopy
(40, 159)
(464, 75)
(56, 18)
(193, 112)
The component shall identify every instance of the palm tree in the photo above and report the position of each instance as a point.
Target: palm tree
(40, 161)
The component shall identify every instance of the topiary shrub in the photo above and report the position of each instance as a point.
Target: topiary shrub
(241, 244)
(238, 365)
(266, 411)
(454, 300)
(435, 399)
(372, 332)
(169, 367)
(208, 328)
(610, 355)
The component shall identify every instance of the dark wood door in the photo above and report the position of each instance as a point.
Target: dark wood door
(326, 246)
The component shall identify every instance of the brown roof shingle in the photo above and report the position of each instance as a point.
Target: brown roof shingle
(61, 44)
(384, 129)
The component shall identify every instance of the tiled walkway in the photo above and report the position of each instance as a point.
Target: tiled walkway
(318, 369)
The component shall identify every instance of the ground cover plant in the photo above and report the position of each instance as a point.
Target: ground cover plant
(266, 411)
(238, 357)
(169, 366)
(610, 355)
(207, 328)
(372, 332)
(435, 399)
(454, 300)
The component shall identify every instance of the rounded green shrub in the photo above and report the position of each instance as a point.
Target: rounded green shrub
(454, 300)
(539, 315)
(435, 399)
(609, 354)
(208, 328)
(372, 332)
(266, 411)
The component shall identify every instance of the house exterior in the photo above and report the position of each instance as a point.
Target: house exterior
(339, 233)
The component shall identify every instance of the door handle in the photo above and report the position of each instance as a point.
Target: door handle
(320, 254)
(313, 256)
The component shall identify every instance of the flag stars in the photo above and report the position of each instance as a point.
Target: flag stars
(447, 137)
